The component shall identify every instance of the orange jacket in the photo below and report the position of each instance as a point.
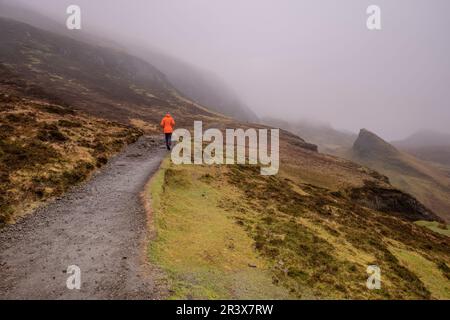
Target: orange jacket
(168, 123)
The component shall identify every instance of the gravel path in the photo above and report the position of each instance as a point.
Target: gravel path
(99, 226)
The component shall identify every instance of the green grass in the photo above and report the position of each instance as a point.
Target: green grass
(427, 271)
(199, 245)
(436, 227)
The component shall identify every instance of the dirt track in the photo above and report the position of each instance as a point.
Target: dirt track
(99, 226)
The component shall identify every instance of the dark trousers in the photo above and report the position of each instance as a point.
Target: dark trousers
(168, 139)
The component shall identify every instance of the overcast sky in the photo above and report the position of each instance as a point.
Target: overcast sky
(294, 59)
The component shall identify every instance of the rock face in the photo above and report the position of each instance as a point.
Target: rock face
(370, 148)
(369, 145)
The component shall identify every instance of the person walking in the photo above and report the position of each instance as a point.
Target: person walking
(167, 123)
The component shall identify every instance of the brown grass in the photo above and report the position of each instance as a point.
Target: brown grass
(47, 148)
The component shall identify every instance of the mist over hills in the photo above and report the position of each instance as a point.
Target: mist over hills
(200, 86)
(424, 138)
(99, 80)
(418, 165)
(429, 146)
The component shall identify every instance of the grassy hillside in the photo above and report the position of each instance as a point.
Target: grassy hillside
(194, 83)
(428, 183)
(199, 85)
(227, 232)
(204, 251)
(98, 80)
(45, 148)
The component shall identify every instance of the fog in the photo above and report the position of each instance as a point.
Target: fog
(296, 59)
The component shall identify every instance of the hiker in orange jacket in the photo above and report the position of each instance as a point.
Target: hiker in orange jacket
(167, 123)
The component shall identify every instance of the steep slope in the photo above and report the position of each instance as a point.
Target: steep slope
(428, 183)
(199, 85)
(97, 80)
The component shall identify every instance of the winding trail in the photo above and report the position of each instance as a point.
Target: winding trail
(100, 226)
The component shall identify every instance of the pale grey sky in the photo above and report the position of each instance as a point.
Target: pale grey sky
(296, 59)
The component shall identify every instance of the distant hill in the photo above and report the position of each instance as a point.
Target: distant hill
(309, 230)
(425, 138)
(429, 146)
(328, 139)
(437, 154)
(426, 182)
(368, 146)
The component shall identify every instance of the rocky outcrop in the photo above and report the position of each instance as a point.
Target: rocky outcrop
(297, 141)
(369, 145)
(390, 200)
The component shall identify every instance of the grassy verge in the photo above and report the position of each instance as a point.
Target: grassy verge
(206, 254)
(227, 232)
(436, 227)
(428, 272)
